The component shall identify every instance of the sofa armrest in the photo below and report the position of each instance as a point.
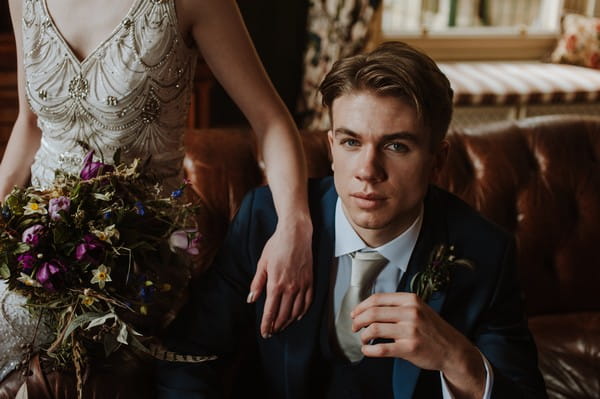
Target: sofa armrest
(569, 353)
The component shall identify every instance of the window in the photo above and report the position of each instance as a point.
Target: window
(479, 29)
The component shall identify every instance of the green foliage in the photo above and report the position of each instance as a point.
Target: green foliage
(96, 266)
(437, 274)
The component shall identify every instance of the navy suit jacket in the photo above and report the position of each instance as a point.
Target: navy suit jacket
(484, 304)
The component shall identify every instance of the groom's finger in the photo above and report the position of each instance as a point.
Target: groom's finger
(386, 299)
(377, 314)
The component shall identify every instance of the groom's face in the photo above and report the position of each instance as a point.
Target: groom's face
(383, 162)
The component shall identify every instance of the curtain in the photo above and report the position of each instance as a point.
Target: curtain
(336, 29)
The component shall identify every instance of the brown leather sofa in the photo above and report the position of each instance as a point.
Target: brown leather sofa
(538, 178)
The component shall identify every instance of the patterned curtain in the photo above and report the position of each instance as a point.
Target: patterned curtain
(336, 29)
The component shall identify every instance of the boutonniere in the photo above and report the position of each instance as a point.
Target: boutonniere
(437, 272)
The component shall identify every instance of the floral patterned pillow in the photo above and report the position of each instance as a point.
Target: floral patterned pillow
(579, 43)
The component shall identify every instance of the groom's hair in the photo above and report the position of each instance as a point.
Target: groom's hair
(398, 70)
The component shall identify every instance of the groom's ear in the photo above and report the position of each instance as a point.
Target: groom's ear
(330, 140)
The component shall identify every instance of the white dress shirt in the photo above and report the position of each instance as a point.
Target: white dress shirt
(398, 252)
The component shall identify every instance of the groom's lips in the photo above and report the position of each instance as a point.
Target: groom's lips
(368, 200)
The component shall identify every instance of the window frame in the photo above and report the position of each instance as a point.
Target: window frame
(477, 43)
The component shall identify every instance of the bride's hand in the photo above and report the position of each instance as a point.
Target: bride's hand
(287, 262)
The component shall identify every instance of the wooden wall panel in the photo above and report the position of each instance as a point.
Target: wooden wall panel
(8, 88)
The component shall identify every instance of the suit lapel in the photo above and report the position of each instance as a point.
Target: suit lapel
(302, 337)
(433, 231)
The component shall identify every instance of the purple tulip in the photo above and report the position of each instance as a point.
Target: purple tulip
(32, 235)
(58, 204)
(186, 240)
(90, 250)
(92, 168)
(27, 261)
(47, 274)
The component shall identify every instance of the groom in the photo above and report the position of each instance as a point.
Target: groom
(377, 224)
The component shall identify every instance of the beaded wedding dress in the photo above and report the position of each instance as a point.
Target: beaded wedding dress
(131, 93)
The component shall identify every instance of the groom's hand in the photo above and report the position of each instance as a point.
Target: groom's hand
(415, 332)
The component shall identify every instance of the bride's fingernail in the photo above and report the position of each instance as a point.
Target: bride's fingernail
(250, 297)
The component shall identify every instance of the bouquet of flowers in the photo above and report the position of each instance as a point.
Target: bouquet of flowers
(103, 258)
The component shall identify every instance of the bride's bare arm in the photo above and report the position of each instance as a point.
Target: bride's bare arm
(219, 32)
(25, 137)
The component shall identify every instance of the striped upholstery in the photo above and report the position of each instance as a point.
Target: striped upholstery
(521, 83)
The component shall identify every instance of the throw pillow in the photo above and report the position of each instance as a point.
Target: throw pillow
(579, 43)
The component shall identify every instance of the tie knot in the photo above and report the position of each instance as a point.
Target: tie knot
(365, 268)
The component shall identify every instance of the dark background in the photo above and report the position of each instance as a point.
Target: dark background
(5, 26)
(278, 29)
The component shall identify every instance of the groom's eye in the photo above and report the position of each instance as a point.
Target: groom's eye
(349, 142)
(397, 147)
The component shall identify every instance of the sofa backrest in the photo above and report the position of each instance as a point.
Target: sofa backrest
(539, 178)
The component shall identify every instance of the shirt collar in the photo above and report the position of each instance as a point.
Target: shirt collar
(397, 251)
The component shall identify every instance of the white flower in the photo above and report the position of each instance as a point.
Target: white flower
(103, 197)
(132, 169)
(186, 240)
(107, 234)
(101, 276)
(28, 281)
(87, 300)
(34, 207)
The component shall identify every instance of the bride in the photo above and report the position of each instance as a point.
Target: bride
(118, 74)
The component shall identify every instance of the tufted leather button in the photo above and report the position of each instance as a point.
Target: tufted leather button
(539, 178)
(541, 182)
(569, 353)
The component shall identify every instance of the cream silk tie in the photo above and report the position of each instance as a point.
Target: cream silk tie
(365, 268)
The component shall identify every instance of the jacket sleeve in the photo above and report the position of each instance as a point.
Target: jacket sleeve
(213, 318)
(504, 338)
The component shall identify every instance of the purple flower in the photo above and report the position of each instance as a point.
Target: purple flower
(92, 168)
(177, 193)
(32, 235)
(90, 250)
(27, 261)
(186, 240)
(47, 274)
(58, 204)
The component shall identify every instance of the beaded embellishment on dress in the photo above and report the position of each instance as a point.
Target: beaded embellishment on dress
(132, 92)
(18, 330)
